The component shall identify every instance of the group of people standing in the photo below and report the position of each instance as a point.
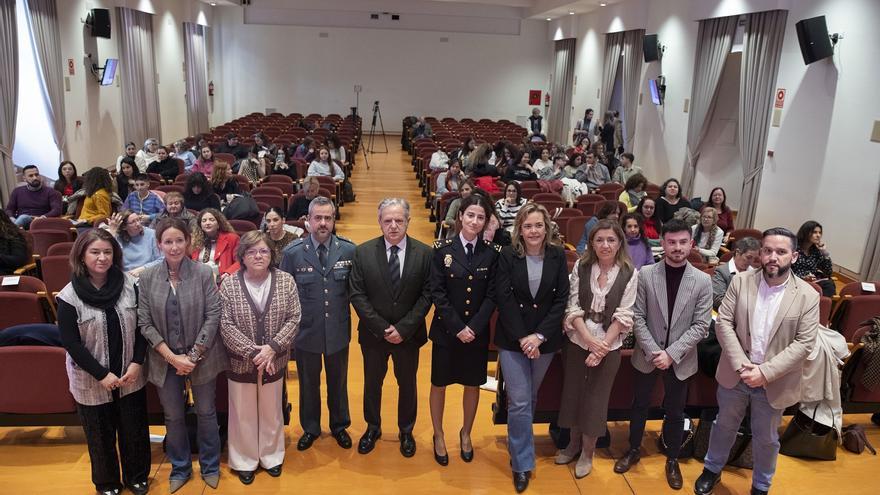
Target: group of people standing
(178, 330)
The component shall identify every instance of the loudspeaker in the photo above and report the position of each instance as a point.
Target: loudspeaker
(651, 49)
(99, 21)
(813, 38)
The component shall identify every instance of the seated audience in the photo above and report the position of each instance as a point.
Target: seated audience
(306, 150)
(647, 209)
(13, 246)
(595, 173)
(464, 190)
(718, 200)
(670, 200)
(463, 154)
(536, 124)
(139, 247)
(439, 160)
(322, 165)
(214, 242)
(145, 203)
(280, 163)
(125, 177)
(198, 193)
(146, 155)
(555, 171)
(450, 179)
(581, 145)
(299, 207)
(507, 207)
(746, 252)
(253, 168)
(633, 191)
(68, 182)
(262, 146)
(131, 151)
(164, 165)
(205, 162)
(422, 129)
(503, 156)
(223, 183)
(173, 209)
(98, 188)
(626, 169)
(520, 169)
(707, 235)
(280, 237)
(636, 243)
(337, 151)
(603, 157)
(813, 262)
(182, 151)
(610, 210)
(233, 147)
(33, 200)
(479, 157)
(575, 165)
(201, 142)
(543, 162)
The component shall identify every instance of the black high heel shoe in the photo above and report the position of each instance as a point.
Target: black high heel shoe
(443, 460)
(466, 456)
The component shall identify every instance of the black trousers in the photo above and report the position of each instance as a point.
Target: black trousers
(308, 370)
(674, 398)
(124, 420)
(406, 364)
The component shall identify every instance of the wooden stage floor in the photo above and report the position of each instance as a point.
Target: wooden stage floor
(36, 460)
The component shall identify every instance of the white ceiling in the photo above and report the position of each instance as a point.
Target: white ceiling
(529, 9)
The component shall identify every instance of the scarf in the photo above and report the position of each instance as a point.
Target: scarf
(635, 197)
(105, 297)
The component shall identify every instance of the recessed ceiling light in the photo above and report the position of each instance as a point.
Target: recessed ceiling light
(213, 4)
(571, 13)
(602, 4)
(549, 19)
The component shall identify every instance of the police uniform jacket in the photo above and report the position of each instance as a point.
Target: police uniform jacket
(462, 291)
(325, 325)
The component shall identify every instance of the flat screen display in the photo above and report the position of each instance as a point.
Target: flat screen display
(109, 71)
(655, 92)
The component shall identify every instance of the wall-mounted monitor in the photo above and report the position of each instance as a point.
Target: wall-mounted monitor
(656, 97)
(109, 72)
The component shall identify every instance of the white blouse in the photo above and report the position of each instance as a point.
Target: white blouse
(623, 314)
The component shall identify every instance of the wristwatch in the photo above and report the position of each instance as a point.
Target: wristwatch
(541, 337)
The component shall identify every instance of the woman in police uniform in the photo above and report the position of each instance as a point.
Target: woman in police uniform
(461, 288)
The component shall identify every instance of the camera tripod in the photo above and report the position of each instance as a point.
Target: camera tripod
(377, 113)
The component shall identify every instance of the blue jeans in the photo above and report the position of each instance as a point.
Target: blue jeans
(522, 379)
(24, 221)
(732, 404)
(176, 438)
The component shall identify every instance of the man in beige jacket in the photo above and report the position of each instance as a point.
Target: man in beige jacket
(767, 326)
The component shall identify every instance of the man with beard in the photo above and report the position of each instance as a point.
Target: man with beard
(32, 200)
(767, 326)
(321, 265)
(672, 312)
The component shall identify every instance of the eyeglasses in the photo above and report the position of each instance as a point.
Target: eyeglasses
(252, 253)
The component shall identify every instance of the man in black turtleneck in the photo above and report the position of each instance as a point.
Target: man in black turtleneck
(672, 312)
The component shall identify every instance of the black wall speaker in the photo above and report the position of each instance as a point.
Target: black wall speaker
(813, 38)
(651, 49)
(99, 21)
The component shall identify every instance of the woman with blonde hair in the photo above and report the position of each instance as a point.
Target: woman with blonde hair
(532, 290)
(222, 181)
(598, 318)
(707, 234)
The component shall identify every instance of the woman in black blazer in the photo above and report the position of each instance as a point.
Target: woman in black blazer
(532, 282)
(464, 299)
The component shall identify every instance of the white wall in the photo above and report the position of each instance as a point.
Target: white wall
(292, 69)
(99, 138)
(824, 168)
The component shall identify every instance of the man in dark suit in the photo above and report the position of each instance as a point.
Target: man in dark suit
(745, 252)
(321, 264)
(390, 292)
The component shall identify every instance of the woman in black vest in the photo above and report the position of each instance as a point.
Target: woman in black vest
(463, 295)
(598, 318)
(532, 284)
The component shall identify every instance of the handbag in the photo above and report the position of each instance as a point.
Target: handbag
(854, 439)
(687, 440)
(740, 451)
(803, 437)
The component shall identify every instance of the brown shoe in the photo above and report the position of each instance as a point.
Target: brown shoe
(673, 474)
(630, 459)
